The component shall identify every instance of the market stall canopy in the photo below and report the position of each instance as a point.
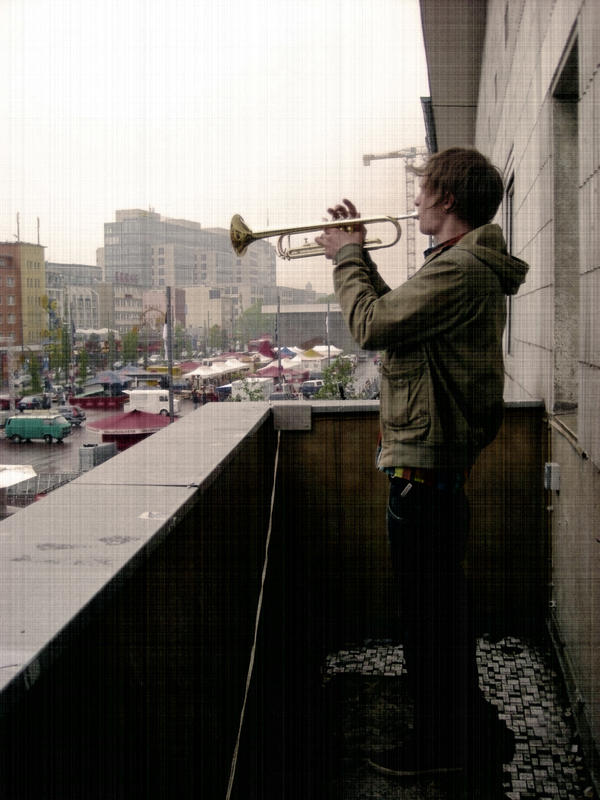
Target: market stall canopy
(188, 366)
(11, 474)
(204, 372)
(131, 422)
(312, 353)
(265, 348)
(106, 376)
(270, 371)
(325, 349)
(218, 369)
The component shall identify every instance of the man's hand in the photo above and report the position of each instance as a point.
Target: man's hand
(332, 239)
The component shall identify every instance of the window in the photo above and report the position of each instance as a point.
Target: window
(10, 300)
(10, 281)
(10, 318)
(508, 214)
(565, 136)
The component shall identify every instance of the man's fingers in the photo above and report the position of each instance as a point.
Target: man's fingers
(351, 208)
(338, 212)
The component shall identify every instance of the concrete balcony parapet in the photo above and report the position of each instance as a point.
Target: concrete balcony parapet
(129, 597)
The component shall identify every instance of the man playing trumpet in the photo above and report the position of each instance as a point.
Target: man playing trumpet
(442, 382)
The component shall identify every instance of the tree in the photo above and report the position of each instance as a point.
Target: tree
(111, 348)
(93, 348)
(253, 323)
(178, 341)
(34, 371)
(82, 363)
(66, 349)
(337, 381)
(130, 346)
(217, 338)
(250, 392)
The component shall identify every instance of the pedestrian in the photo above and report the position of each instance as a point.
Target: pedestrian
(195, 398)
(441, 388)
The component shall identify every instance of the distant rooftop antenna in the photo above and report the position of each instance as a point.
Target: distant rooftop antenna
(38, 230)
(18, 228)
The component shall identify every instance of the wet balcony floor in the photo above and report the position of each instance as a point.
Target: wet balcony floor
(517, 675)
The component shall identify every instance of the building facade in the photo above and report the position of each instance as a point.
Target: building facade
(128, 307)
(527, 96)
(73, 274)
(23, 312)
(155, 300)
(302, 323)
(205, 308)
(145, 249)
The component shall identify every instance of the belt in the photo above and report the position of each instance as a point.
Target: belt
(436, 479)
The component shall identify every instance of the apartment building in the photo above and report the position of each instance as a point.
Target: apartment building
(23, 316)
(528, 97)
(206, 307)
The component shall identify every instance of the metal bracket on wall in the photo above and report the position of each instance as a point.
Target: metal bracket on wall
(294, 415)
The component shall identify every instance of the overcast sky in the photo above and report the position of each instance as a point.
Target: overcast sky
(201, 109)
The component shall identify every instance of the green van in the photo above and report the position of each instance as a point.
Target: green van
(47, 426)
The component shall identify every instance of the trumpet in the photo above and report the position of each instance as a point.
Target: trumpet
(242, 237)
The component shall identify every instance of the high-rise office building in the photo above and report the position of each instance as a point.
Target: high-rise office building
(142, 248)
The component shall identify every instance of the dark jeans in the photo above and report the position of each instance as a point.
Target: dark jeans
(427, 530)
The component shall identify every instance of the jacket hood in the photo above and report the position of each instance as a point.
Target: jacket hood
(487, 244)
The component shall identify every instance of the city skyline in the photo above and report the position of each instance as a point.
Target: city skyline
(202, 111)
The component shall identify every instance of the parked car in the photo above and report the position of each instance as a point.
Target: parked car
(72, 414)
(282, 396)
(308, 388)
(24, 427)
(28, 402)
(5, 402)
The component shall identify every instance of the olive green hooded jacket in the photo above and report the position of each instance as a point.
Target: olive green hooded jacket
(441, 334)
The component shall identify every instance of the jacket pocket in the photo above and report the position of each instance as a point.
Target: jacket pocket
(405, 402)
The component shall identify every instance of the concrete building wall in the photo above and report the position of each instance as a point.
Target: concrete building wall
(298, 324)
(539, 119)
(206, 307)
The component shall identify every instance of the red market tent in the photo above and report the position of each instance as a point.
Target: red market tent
(128, 428)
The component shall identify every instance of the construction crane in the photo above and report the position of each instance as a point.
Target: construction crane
(409, 154)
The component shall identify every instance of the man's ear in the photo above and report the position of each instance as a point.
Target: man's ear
(448, 202)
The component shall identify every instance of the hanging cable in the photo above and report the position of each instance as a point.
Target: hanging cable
(236, 749)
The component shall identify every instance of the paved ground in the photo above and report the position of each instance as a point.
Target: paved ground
(519, 677)
(59, 458)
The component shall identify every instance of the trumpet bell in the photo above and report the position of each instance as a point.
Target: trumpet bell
(240, 234)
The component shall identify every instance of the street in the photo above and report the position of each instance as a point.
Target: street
(64, 457)
(59, 457)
